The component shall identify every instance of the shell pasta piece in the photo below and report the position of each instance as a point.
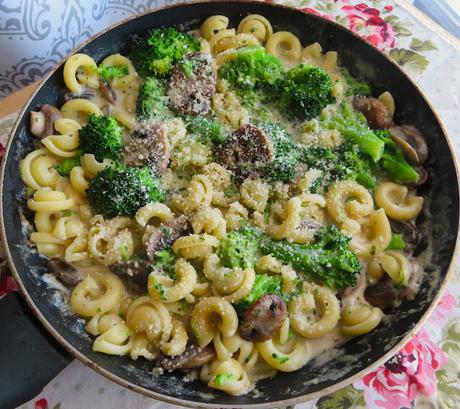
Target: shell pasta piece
(359, 319)
(396, 202)
(212, 315)
(284, 45)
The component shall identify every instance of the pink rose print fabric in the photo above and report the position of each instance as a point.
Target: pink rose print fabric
(410, 372)
(367, 22)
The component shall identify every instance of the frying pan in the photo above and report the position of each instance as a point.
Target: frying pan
(438, 223)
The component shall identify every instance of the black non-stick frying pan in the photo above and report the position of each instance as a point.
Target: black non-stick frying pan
(439, 223)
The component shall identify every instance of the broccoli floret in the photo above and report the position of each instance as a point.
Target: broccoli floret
(346, 162)
(286, 155)
(253, 69)
(122, 191)
(305, 91)
(156, 53)
(209, 129)
(354, 87)
(393, 161)
(151, 100)
(327, 259)
(238, 249)
(67, 164)
(101, 136)
(396, 242)
(263, 284)
(108, 73)
(353, 126)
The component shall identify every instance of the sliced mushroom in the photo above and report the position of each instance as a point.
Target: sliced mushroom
(412, 143)
(42, 122)
(66, 273)
(149, 146)
(263, 319)
(408, 231)
(37, 123)
(51, 115)
(377, 114)
(136, 270)
(164, 236)
(193, 357)
(86, 93)
(384, 294)
(246, 151)
(192, 84)
(107, 92)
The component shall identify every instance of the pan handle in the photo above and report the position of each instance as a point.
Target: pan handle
(30, 357)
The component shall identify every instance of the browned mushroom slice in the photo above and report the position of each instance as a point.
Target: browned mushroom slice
(192, 83)
(86, 93)
(149, 146)
(263, 319)
(377, 114)
(384, 294)
(193, 357)
(66, 273)
(165, 235)
(137, 270)
(246, 151)
(422, 177)
(107, 92)
(412, 143)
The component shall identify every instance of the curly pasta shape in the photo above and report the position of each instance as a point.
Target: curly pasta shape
(294, 213)
(74, 80)
(78, 180)
(198, 194)
(230, 377)
(163, 288)
(47, 244)
(38, 169)
(315, 312)
(47, 200)
(212, 25)
(235, 215)
(235, 346)
(359, 319)
(347, 201)
(116, 340)
(254, 194)
(312, 52)
(234, 43)
(394, 199)
(287, 357)
(71, 109)
(126, 81)
(64, 145)
(97, 293)
(374, 237)
(196, 246)
(396, 265)
(143, 348)
(233, 285)
(110, 241)
(210, 221)
(256, 25)
(92, 166)
(284, 45)
(150, 317)
(220, 36)
(212, 315)
(153, 210)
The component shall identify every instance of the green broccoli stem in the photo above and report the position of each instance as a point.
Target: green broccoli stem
(351, 126)
(328, 259)
(398, 169)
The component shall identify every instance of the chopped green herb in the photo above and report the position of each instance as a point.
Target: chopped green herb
(396, 242)
(280, 358)
(221, 378)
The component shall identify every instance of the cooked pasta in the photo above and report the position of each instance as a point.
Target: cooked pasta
(219, 202)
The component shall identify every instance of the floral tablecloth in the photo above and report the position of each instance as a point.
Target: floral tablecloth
(426, 372)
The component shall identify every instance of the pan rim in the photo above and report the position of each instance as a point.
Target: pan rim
(195, 404)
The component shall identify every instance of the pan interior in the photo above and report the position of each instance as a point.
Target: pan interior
(440, 230)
